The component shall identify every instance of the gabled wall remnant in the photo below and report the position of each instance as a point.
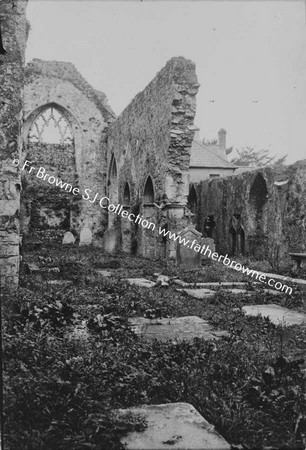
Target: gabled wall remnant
(151, 140)
(48, 211)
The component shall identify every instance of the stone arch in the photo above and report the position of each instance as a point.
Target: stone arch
(192, 201)
(148, 192)
(113, 167)
(258, 197)
(147, 237)
(113, 190)
(46, 210)
(126, 195)
(75, 127)
(57, 83)
(126, 225)
(233, 240)
(52, 127)
(257, 245)
(240, 237)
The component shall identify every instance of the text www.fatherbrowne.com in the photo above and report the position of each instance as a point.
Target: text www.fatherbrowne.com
(206, 251)
(104, 203)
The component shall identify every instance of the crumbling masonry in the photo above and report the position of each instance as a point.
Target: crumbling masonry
(139, 160)
(261, 213)
(13, 29)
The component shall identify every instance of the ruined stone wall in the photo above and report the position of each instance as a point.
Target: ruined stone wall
(14, 30)
(59, 84)
(266, 208)
(152, 138)
(47, 210)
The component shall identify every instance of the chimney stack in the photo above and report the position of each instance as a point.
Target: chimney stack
(222, 142)
(196, 137)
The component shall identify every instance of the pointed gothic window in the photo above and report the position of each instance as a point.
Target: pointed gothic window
(126, 195)
(148, 196)
(258, 195)
(113, 169)
(192, 200)
(51, 127)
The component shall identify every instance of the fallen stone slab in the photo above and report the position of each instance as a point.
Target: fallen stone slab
(175, 328)
(161, 276)
(216, 285)
(274, 292)
(277, 314)
(162, 280)
(59, 282)
(175, 426)
(240, 292)
(141, 282)
(32, 268)
(104, 273)
(183, 283)
(200, 294)
(225, 285)
(285, 280)
(50, 270)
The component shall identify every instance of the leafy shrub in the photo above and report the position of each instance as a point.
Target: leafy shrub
(54, 397)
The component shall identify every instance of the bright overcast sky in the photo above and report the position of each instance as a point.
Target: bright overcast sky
(250, 59)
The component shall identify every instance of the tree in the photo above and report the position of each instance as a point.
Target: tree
(209, 141)
(248, 156)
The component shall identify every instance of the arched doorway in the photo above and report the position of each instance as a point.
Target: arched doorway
(258, 199)
(240, 241)
(148, 194)
(233, 240)
(113, 190)
(257, 239)
(148, 239)
(126, 225)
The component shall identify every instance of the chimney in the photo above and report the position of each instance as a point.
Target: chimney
(222, 142)
(196, 136)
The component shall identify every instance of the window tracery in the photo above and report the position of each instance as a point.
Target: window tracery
(51, 127)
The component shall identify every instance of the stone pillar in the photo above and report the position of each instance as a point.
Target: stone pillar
(14, 29)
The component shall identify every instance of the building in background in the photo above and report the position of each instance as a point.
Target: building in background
(209, 160)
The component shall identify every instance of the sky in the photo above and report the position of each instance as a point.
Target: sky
(250, 59)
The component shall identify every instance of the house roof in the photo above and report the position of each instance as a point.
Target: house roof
(202, 156)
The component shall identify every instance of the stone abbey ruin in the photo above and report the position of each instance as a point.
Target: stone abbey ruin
(54, 119)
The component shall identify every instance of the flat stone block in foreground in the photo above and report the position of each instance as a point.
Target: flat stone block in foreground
(277, 314)
(199, 293)
(141, 282)
(175, 426)
(211, 285)
(104, 273)
(240, 292)
(176, 328)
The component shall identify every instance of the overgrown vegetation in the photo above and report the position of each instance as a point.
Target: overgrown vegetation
(249, 156)
(71, 360)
